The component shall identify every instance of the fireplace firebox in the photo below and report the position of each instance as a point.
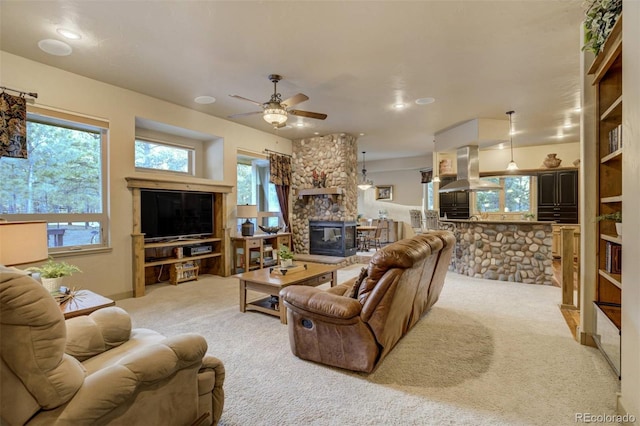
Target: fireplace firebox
(332, 238)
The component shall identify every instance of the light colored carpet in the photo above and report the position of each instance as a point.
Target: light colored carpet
(488, 353)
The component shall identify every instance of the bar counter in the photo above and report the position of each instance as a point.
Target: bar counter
(516, 250)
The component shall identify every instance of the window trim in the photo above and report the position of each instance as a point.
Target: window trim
(502, 196)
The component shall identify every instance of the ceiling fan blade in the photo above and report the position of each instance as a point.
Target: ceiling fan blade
(294, 100)
(245, 99)
(308, 114)
(244, 114)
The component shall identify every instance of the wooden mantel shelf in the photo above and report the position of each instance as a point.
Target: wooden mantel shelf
(188, 184)
(320, 191)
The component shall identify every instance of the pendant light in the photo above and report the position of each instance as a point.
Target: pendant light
(364, 182)
(512, 164)
(436, 178)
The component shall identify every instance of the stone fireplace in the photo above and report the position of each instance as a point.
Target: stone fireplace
(332, 199)
(332, 238)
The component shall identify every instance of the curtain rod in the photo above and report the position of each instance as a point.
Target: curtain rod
(276, 152)
(32, 94)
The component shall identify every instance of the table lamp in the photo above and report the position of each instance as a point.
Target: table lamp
(247, 211)
(23, 242)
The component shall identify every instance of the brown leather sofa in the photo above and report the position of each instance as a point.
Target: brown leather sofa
(356, 324)
(96, 369)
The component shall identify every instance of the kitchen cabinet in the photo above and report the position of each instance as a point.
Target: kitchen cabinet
(558, 196)
(455, 205)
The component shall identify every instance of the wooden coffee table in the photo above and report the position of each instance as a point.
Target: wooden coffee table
(268, 282)
(83, 303)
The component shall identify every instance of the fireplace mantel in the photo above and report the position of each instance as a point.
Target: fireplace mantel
(319, 191)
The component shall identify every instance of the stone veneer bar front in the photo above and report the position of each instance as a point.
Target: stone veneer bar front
(518, 251)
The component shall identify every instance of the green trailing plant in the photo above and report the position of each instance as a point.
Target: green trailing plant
(529, 215)
(615, 217)
(285, 253)
(53, 269)
(601, 16)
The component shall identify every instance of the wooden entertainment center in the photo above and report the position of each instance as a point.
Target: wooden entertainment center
(151, 258)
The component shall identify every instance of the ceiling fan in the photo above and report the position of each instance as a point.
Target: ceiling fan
(275, 111)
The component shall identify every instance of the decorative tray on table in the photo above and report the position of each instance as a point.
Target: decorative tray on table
(284, 270)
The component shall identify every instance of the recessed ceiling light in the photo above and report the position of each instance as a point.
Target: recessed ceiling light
(361, 134)
(316, 133)
(55, 47)
(425, 101)
(204, 100)
(399, 106)
(300, 124)
(71, 35)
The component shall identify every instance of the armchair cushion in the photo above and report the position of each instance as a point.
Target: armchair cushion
(101, 331)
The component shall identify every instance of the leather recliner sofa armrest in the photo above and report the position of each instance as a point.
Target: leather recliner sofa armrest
(319, 302)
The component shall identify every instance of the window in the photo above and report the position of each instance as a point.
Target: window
(61, 182)
(253, 187)
(514, 197)
(156, 155)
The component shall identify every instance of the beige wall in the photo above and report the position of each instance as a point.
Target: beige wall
(110, 273)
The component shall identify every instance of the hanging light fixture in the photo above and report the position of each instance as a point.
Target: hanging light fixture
(512, 164)
(275, 114)
(436, 178)
(364, 182)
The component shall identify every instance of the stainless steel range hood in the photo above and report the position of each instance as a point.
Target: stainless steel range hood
(469, 173)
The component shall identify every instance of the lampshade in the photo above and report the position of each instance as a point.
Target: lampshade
(275, 116)
(247, 210)
(23, 242)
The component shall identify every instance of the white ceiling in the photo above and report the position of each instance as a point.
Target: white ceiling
(354, 60)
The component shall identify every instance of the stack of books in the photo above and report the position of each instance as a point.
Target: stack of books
(613, 258)
(615, 138)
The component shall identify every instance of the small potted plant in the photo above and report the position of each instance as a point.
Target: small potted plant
(615, 217)
(529, 216)
(52, 273)
(286, 256)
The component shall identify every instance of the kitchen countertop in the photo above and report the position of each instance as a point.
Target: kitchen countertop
(506, 222)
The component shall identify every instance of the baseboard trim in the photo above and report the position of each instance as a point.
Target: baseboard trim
(585, 338)
(628, 419)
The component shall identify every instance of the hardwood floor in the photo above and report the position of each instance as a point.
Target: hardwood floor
(571, 316)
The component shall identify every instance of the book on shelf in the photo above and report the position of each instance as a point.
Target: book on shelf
(613, 258)
(615, 138)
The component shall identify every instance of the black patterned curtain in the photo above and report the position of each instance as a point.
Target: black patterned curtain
(13, 133)
(280, 176)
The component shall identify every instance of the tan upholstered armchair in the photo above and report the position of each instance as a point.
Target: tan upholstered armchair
(356, 324)
(95, 369)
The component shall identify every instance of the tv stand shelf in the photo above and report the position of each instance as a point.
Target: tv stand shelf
(154, 261)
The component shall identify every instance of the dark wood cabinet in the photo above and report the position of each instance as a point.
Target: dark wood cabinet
(558, 196)
(454, 204)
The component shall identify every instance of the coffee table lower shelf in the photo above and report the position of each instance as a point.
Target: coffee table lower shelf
(265, 282)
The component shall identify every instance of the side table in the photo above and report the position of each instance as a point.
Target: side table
(83, 303)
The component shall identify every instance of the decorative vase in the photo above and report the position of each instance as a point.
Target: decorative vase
(51, 284)
(286, 263)
(551, 161)
(619, 228)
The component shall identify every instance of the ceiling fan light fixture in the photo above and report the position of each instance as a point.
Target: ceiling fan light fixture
(275, 116)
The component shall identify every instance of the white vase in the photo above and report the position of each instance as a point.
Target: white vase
(619, 228)
(286, 263)
(51, 284)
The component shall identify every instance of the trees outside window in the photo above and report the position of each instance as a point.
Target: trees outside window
(156, 155)
(61, 182)
(515, 195)
(253, 187)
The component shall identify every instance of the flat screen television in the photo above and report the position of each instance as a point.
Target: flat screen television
(167, 215)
